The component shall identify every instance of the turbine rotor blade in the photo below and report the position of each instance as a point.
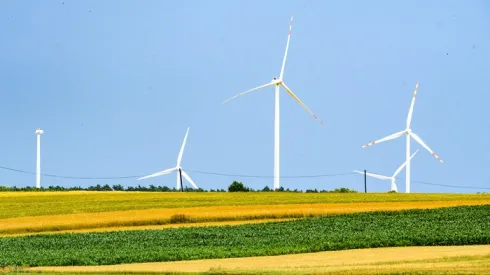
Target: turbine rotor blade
(300, 102)
(410, 111)
(403, 165)
(164, 172)
(390, 137)
(421, 142)
(381, 177)
(256, 88)
(179, 159)
(188, 178)
(287, 47)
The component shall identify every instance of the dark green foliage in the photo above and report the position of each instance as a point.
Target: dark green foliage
(237, 186)
(342, 190)
(464, 225)
(266, 189)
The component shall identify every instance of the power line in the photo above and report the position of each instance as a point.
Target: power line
(283, 177)
(228, 175)
(68, 177)
(446, 185)
(194, 171)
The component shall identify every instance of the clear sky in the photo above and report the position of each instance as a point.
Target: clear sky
(115, 84)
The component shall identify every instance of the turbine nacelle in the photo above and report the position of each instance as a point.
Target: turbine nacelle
(276, 81)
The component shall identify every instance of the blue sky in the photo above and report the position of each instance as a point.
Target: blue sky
(115, 84)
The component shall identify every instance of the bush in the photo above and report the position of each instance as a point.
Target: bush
(343, 190)
(266, 189)
(237, 186)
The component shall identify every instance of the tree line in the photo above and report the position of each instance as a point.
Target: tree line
(236, 186)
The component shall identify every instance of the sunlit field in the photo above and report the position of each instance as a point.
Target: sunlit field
(462, 225)
(72, 211)
(22, 204)
(218, 233)
(418, 260)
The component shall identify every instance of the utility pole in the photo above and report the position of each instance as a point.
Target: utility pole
(365, 180)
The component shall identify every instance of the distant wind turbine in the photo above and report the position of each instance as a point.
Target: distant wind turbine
(38, 132)
(408, 132)
(279, 82)
(176, 168)
(392, 178)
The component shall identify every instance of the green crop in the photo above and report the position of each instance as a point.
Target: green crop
(462, 225)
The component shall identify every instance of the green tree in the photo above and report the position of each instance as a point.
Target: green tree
(237, 186)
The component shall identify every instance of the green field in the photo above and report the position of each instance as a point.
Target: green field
(20, 204)
(445, 226)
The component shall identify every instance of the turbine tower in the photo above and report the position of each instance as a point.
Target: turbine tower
(38, 132)
(177, 168)
(409, 133)
(392, 178)
(276, 82)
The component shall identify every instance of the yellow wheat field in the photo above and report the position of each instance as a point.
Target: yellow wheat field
(24, 204)
(452, 259)
(127, 219)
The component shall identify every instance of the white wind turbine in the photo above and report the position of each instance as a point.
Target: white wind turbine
(409, 133)
(392, 178)
(279, 82)
(38, 132)
(176, 168)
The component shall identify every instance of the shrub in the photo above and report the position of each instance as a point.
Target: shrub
(237, 186)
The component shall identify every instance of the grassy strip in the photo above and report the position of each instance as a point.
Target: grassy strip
(26, 225)
(462, 225)
(20, 204)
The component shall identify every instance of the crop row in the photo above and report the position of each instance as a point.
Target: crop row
(20, 204)
(462, 225)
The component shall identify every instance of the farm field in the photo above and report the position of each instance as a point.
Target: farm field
(442, 259)
(24, 204)
(29, 221)
(463, 225)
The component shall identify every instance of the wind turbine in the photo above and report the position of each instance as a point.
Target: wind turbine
(176, 168)
(409, 133)
(392, 178)
(276, 82)
(38, 132)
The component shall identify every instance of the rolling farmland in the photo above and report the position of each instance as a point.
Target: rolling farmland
(138, 228)
(120, 210)
(462, 225)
